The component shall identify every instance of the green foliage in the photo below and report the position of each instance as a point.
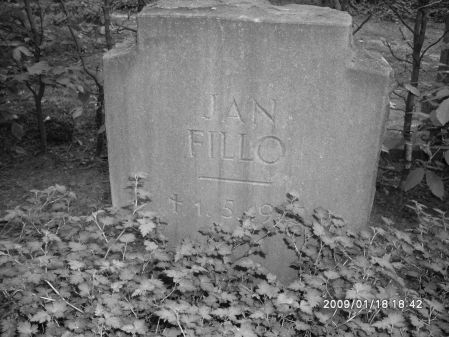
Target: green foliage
(111, 274)
(30, 35)
(431, 134)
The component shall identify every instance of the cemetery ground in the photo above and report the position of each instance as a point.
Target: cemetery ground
(111, 273)
(74, 165)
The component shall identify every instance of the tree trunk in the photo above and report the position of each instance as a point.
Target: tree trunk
(107, 23)
(140, 5)
(419, 34)
(443, 68)
(344, 5)
(37, 37)
(99, 121)
(99, 113)
(40, 116)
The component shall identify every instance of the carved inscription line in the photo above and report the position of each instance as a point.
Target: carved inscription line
(235, 110)
(237, 181)
(269, 149)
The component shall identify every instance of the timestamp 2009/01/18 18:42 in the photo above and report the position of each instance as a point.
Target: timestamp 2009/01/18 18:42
(392, 303)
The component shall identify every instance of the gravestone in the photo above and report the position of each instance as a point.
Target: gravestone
(230, 105)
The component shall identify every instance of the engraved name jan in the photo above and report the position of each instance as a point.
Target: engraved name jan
(233, 146)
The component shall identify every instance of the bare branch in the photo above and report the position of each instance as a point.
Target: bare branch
(41, 16)
(404, 37)
(400, 18)
(362, 24)
(433, 44)
(429, 5)
(78, 48)
(126, 28)
(33, 29)
(28, 85)
(395, 56)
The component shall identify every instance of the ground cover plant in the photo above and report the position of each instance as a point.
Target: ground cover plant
(111, 274)
(73, 267)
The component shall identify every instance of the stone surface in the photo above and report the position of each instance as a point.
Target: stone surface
(229, 105)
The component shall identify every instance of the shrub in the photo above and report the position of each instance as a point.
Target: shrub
(111, 274)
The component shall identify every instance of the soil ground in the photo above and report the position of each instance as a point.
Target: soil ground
(75, 166)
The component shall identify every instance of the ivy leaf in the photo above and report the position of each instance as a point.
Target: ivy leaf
(57, 309)
(76, 278)
(417, 323)
(76, 247)
(221, 313)
(146, 226)
(76, 265)
(177, 275)
(246, 264)
(172, 332)
(383, 261)
(246, 330)
(116, 286)
(318, 229)
(266, 289)
(17, 53)
(403, 236)
(314, 281)
(150, 245)
(284, 298)
(305, 307)
(224, 250)
(442, 112)
(41, 316)
(414, 90)
(147, 285)
(113, 321)
(38, 68)
(301, 326)
(17, 130)
(129, 328)
(435, 305)
(167, 315)
(26, 328)
(443, 91)
(313, 296)
(198, 269)
(9, 327)
(84, 289)
(204, 312)
(257, 315)
(331, 275)
(323, 318)
(414, 178)
(446, 156)
(434, 119)
(296, 209)
(185, 249)
(127, 274)
(293, 195)
(394, 319)
(127, 238)
(435, 184)
(360, 290)
(107, 220)
(238, 233)
(138, 326)
(271, 278)
(297, 285)
(76, 325)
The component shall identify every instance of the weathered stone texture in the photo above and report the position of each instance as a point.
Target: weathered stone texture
(230, 105)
